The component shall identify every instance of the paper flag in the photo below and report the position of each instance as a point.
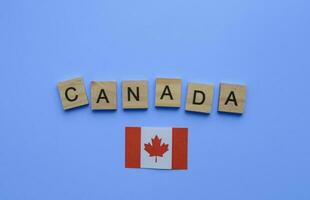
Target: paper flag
(157, 148)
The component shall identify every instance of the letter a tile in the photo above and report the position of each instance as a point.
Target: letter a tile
(232, 98)
(168, 92)
(103, 95)
(199, 97)
(72, 93)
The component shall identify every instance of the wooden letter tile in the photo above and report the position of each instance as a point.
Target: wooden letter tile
(135, 94)
(168, 92)
(199, 97)
(232, 98)
(72, 93)
(103, 95)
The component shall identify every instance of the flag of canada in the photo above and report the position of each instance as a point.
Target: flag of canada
(159, 148)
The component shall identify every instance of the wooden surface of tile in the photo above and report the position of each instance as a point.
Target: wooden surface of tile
(72, 93)
(199, 97)
(135, 94)
(104, 95)
(232, 98)
(168, 92)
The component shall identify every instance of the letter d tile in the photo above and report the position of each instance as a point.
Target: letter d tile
(199, 97)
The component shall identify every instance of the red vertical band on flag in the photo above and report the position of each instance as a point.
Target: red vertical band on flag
(132, 147)
(179, 148)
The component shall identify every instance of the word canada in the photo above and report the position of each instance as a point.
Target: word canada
(199, 96)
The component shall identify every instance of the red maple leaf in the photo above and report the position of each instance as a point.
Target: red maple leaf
(156, 149)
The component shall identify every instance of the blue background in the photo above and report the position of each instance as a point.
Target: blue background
(47, 153)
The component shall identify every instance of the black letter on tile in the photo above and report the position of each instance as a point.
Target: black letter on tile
(166, 93)
(203, 97)
(136, 96)
(102, 95)
(231, 97)
(66, 94)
